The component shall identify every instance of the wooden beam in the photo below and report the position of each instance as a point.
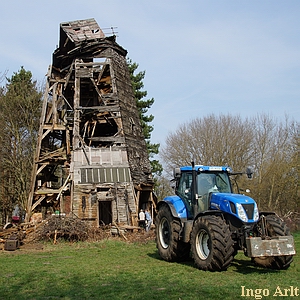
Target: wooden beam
(37, 202)
(55, 127)
(107, 139)
(97, 90)
(103, 108)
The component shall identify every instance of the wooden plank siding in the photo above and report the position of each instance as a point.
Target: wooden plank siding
(91, 158)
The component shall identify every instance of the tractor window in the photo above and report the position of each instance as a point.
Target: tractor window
(223, 183)
(205, 182)
(208, 181)
(184, 187)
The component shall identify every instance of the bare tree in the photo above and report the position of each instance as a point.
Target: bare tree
(2, 75)
(162, 187)
(275, 161)
(269, 146)
(212, 140)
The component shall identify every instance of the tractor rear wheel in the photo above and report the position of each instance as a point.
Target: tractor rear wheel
(167, 228)
(275, 227)
(211, 244)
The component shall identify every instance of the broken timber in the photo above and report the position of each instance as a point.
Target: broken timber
(91, 157)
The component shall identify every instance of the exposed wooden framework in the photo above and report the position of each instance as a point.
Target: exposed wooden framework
(91, 157)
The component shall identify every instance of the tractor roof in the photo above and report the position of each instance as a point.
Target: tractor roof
(206, 168)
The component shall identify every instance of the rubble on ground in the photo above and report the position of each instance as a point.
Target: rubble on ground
(67, 228)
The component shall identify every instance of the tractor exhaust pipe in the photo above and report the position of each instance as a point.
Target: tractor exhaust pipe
(194, 191)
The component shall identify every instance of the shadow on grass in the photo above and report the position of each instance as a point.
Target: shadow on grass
(239, 265)
(246, 266)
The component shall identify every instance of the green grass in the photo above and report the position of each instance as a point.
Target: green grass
(113, 269)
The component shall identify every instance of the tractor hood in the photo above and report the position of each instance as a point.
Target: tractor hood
(243, 207)
(235, 198)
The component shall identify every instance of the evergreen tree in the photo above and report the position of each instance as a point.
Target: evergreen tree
(20, 104)
(143, 106)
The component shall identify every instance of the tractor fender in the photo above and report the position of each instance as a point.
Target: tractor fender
(186, 226)
(209, 212)
(266, 213)
(169, 205)
(176, 205)
(230, 219)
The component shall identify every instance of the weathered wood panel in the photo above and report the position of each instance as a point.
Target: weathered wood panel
(91, 151)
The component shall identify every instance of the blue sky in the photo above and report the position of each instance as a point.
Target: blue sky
(200, 57)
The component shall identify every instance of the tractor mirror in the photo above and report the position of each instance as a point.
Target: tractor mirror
(176, 172)
(249, 172)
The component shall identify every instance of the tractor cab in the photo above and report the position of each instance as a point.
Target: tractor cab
(197, 192)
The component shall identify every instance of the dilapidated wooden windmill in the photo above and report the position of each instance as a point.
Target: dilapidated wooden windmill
(91, 156)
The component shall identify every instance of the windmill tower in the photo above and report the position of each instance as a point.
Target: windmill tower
(91, 157)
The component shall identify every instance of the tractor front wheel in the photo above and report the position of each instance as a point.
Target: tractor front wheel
(274, 227)
(211, 244)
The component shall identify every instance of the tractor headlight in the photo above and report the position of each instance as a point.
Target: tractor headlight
(255, 213)
(241, 212)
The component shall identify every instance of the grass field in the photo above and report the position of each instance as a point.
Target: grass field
(114, 269)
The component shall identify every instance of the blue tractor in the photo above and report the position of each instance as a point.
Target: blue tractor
(210, 222)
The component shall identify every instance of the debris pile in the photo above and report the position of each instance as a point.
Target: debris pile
(68, 228)
(11, 237)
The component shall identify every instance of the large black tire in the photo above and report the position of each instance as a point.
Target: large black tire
(275, 227)
(167, 229)
(211, 244)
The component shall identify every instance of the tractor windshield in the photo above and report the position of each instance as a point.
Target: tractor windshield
(211, 182)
